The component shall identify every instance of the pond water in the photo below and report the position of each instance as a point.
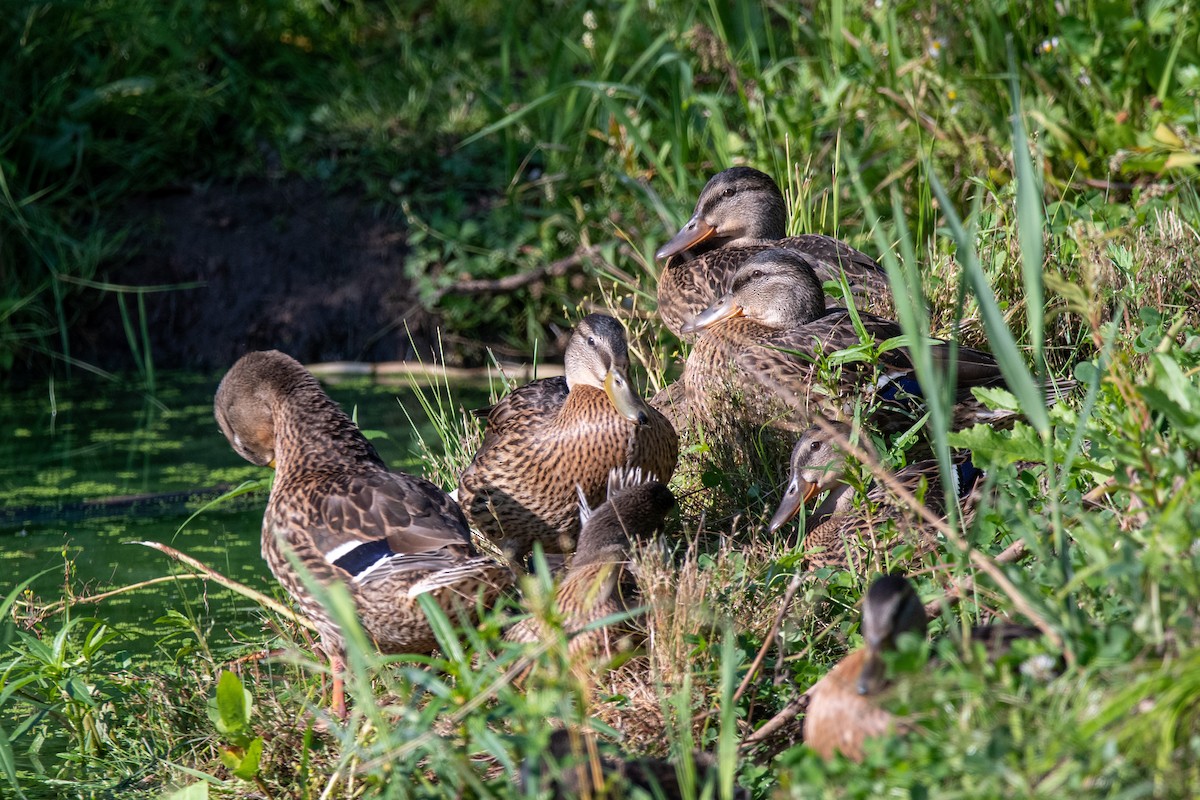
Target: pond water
(89, 468)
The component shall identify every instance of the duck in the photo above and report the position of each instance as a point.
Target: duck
(601, 581)
(756, 357)
(550, 436)
(574, 764)
(842, 708)
(835, 529)
(740, 212)
(337, 513)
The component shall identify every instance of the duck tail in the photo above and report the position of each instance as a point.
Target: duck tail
(465, 578)
(628, 477)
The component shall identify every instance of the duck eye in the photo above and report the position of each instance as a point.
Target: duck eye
(758, 273)
(815, 446)
(730, 192)
(591, 341)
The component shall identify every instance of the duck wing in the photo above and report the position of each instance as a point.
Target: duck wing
(370, 519)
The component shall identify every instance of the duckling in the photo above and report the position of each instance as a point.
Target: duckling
(761, 338)
(601, 581)
(552, 435)
(337, 512)
(835, 527)
(842, 709)
(739, 213)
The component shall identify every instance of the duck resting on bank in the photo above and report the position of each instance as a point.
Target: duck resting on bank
(760, 343)
(601, 581)
(552, 435)
(741, 212)
(838, 532)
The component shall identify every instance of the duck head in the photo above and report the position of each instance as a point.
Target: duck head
(776, 288)
(637, 506)
(245, 402)
(890, 609)
(737, 205)
(598, 356)
(817, 463)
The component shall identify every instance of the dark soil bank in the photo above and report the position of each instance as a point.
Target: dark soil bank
(282, 265)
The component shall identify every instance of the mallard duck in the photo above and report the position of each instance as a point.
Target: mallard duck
(574, 765)
(600, 582)
(742, 212)
(837, 530)
(337, 511)
(552, 435)
(756, 357)
(842, 709)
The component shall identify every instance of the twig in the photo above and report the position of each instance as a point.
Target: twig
(211, 574)
(54, 607)
(772, 726)
(960, 587)
(789, 595)
(511, 283)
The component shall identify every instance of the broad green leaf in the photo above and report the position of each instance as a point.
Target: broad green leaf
(248, 767)
(233, 704)
(995, 448)
(197, 791)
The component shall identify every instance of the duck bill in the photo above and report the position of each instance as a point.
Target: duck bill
(628, 404)
(691, 234)
(873, 674)
(724, 308)
(798, 493)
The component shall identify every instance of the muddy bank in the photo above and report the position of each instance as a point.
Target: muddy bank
(282, 265)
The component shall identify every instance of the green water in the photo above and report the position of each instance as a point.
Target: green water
(65, 446)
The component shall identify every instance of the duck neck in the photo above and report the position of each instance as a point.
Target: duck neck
(839, 501)
(312, 431)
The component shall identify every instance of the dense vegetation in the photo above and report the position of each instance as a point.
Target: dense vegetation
(1031, 164)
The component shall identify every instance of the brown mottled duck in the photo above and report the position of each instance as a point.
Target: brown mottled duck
(600, 582)
(741, 212)
(838, 531)
(548, 437)
(756, 357)
(843, 711)
(336, 511)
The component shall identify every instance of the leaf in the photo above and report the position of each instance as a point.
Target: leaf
(1180, 160)
(233, 705)
(1165, 135)
(995, 448)
(1174, 396)
(996, 397)
(248, 767)
(197, 791)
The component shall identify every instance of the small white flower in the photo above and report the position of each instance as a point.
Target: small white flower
(936, 47)
(589, 20)
(589, 41)
(1049, 45)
